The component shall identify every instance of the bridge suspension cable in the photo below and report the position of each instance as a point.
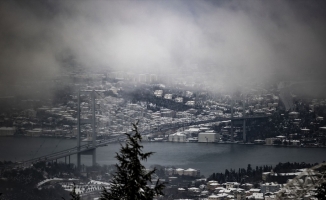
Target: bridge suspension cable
(38, 149)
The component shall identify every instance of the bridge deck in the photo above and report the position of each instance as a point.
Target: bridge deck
(89, 147)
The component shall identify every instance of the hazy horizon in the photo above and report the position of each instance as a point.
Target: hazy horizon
(236, 41)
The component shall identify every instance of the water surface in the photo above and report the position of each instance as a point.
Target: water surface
(208, 158)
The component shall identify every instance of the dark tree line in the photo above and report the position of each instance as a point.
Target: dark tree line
(254, 175)
(242, 175)
(289, 167)
(19, 184)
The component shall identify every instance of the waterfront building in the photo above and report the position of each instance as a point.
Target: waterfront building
(295, 142)
(177, 137)
(208, 136)
(34, 132)
(259, 141)
(192, 132)
(7, 131)
(193, 139)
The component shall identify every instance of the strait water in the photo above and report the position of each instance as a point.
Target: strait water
(208, 158)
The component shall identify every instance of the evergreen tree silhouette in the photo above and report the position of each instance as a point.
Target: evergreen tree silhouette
(321, 192)
(131, 180)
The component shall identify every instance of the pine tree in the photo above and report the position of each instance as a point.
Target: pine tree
(321, 191)
(131, 179)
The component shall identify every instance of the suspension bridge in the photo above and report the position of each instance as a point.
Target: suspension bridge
(90, 148)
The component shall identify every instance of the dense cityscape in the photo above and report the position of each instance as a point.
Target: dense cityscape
(164, 99)
(160, 109)
(166, 112)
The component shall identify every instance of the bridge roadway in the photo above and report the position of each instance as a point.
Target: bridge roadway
(87, 148)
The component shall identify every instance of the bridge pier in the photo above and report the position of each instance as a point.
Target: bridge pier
(78, 160)
(94, 158)
(78, 132)
(232, 132)
(94, 133)
(244, 137)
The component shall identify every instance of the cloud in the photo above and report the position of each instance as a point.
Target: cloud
(234, 41)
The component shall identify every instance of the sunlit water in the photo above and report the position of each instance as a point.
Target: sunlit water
(208, 158)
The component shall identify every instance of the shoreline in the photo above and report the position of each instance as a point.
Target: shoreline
(218, 143)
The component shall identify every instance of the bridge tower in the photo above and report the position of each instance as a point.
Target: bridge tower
(232, 131)
(244, 137)
(92, 151)
(233, 119)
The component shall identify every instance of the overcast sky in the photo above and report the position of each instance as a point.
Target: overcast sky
(234, 40)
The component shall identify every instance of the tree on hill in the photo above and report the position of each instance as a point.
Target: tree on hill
(321, 191)
(131, 179)
(321, 188)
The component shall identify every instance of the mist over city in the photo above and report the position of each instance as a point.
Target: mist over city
(230, 95)
(249, 41)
